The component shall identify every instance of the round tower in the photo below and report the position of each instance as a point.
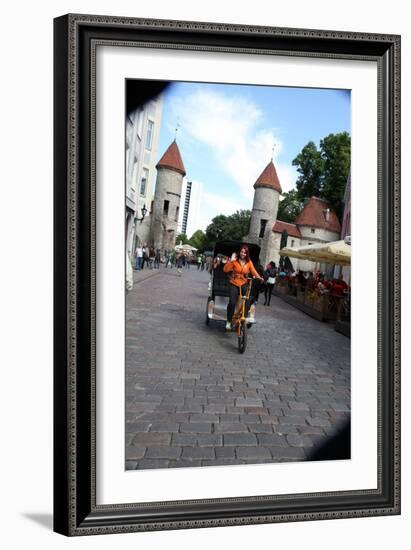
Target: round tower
(167, 196)
(264, 213)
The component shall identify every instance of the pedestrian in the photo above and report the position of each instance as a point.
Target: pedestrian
(239, 267)
(323, 285)
(198, 262)
(302, 281)
(151, 257)
(157, 259)
(258, 285)
(217, 263)
(167, 258)
(180, 263)
(145, 256)
(139, 257)
(269, 277)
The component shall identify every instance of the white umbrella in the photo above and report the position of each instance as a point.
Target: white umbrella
(185, 248)
(335, 253)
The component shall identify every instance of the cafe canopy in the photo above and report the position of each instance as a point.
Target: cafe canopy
(185, 248)
(335, 253)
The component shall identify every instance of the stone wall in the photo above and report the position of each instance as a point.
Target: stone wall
(164, 223)
(265, 207)
(319, 235)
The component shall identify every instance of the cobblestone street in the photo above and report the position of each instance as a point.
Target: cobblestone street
(193, 400)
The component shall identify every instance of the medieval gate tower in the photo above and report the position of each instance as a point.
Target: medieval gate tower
(264, 214)
(166, 204)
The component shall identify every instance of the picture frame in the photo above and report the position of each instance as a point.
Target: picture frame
(76, 38)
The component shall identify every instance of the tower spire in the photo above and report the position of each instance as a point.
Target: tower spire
(172, 159)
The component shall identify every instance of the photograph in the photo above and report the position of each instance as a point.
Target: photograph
(226, 352)
(238, 274)
(203, 347)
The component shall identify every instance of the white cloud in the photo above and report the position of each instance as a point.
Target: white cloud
(229, 126)
(287, 175)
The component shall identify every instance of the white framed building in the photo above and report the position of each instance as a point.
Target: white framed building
(316, 223)
(142, 134)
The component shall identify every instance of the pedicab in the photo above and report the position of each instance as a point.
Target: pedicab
(219, 291)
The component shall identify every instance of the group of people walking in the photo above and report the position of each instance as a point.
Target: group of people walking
(147, 256)
(204, 262)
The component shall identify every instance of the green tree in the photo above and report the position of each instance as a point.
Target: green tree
(323, 172)
(310, 166)
(233, 227)
(198, 240)
(182, 238)
(336, 153)
(289, 206)
(217, 229)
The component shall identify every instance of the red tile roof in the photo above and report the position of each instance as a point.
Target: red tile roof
(291, 229)
(269, 178)
(313, 215)
(172, 159)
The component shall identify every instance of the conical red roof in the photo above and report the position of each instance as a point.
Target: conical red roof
(172, 159)
(269, 178)
(314, 214)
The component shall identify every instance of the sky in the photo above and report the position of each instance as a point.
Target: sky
(227, 134)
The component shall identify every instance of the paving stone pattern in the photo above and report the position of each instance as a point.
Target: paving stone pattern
(193, 400)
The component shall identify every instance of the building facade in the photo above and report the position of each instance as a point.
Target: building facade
(316, 223)
(346, 227)
(142, 134)
(264, 213)
(346, 222)
(167, 200)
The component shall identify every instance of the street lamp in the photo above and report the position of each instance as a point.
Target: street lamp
(143, 214)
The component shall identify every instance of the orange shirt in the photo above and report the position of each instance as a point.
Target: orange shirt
(239, 273)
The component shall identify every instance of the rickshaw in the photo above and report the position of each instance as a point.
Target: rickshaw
(219, 291)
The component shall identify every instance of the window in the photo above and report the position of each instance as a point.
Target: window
(263, 223)
(143, 184)
(312, 230)
(133, 179)
(292, 242)
(149, 135)
(165, 209)
(177, 213)
(140, 120)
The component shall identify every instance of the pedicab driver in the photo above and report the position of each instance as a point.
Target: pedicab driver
(239, 267)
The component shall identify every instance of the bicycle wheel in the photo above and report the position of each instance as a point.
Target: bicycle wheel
(242, 339)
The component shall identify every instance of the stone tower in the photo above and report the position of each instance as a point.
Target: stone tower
(264, 214)
(167, 196)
